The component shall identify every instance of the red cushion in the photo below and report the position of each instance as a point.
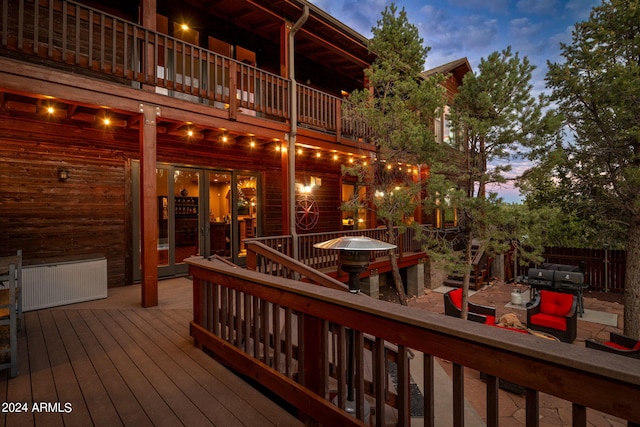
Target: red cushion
(490, 320)
(555, 303)
(549, 321)
(621, 347)
(456, 297)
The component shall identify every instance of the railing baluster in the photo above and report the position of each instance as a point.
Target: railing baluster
(210, 304)
(288, 342)
(341, 362)
(90, 47)
(255, 318)
(217, 304)
(230, 314)
(114, 43)
(65, 30)
(324, 356)
(5, 22)
(50, 40)
(359, 374)
(532, 416)
(238, 319)
(78, 37)
(266, 329)
(458, 395)
(247, 323)
(36, 25)
(579, 415)
(493, 414)
(429, 390)
(300, 317)
(379, 380)
(404, 388)
(102, 47)
(277, 337)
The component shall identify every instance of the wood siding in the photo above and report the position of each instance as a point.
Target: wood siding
(48, 218)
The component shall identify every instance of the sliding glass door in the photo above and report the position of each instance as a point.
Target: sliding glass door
(200, 212)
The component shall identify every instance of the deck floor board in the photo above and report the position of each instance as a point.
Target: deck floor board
(119, 364)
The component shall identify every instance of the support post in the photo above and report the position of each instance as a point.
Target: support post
(415, 280)
(148, 205)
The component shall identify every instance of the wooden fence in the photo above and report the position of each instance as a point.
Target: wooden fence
(604, 268)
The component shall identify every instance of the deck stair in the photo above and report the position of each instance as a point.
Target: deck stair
(480, 273)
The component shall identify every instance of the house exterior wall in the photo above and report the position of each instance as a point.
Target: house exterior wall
(91, 70)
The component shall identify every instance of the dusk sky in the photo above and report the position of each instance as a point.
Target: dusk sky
(476, 28)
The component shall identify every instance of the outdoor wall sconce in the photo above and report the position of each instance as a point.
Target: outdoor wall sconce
(63, 174)
(353, 259)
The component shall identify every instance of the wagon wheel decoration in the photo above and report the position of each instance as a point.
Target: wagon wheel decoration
(307, 213)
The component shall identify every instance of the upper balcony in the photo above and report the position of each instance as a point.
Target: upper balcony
(73, 37)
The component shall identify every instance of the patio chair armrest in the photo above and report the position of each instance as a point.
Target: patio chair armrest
(475, 317)
(622, 340)
(482, 309)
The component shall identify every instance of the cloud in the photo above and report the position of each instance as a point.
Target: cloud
(523, 28)
(364, 18)
(450, 35)
(492, 5)
(538, 7)
(581, 8)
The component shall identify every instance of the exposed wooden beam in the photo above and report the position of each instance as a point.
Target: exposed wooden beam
(20, 107)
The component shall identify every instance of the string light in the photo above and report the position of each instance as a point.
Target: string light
(50, 110)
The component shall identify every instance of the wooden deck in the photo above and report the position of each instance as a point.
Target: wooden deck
(110, 362)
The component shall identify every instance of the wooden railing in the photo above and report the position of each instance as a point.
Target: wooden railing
(291, 337)
(89, 40)
(320, 259)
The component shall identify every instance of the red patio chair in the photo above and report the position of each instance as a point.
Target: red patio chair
(476, 312)
(554, 313)
(617, 344)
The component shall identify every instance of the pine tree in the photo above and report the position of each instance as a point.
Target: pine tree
(500, 121)
(597, 169)
(398, 109)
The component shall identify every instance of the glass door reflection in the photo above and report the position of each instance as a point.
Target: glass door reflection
(186, 189)
(219, 213)
(245, 213)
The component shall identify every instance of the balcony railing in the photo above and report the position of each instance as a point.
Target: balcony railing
(86, 39)
(292, 337)
(321, 259)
